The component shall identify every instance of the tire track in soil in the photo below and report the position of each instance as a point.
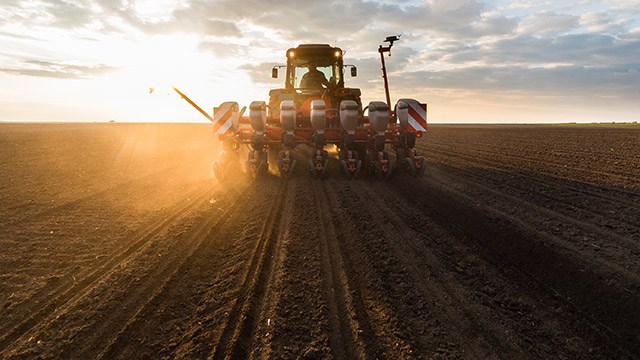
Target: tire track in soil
(388, 297)
(614, 223)
(625, 177)
(581, 289)
(42, 296)
(500, 166)
(624, 197)
(578, 236)
(602, 225)
(268, 321)
(314, 309)
(442, 296)
(74, 203)
(237, 338)
(158, 284)
(607, 216)
(65, 296)
(344, 339)
(294, 320)
(187, 315)
(506, 315)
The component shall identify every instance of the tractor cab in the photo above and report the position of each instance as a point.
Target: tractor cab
(313, 72)
(314, 69)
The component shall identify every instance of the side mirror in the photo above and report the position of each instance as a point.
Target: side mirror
(274, 73)
(354, 71)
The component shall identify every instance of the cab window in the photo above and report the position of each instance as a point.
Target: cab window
(330, 69)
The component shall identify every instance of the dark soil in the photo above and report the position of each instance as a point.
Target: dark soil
(518, 242)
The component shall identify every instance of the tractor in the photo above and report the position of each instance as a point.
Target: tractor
(314, 108)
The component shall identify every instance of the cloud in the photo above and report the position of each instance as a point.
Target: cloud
(261, 73)
(549, 22)
(599, 22)
(185, 20)
(40, 68)
(224, 49)
(459, 19)
(587, 48)
(305, 21)
(558, 81)
(456, 45)
(68, 14)
(581, 49)
(197, 18)
(62, 14)
(19, 36)
(310, 20)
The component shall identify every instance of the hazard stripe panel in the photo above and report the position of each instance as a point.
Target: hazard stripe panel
(417, 115)
(224, 117)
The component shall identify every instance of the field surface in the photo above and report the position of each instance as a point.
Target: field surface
(520, 242)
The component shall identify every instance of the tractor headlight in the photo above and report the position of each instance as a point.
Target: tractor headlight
(292, 54)
(338, 53)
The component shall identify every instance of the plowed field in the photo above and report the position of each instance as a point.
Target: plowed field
(518, 242)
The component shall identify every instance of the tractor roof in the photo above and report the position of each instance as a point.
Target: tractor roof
(314, 49)
(305, 46)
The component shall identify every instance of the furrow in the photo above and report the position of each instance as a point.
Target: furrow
(341, 338)
(63, 297)
(150, 290)
(236, 339)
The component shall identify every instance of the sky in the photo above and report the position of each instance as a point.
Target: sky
(470, 60)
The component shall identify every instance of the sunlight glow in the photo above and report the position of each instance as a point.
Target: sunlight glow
(163, 61)
(155, 10)
(97, 60)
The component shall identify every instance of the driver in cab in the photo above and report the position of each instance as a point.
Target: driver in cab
(314, 79)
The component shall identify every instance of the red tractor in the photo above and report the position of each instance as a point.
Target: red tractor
(316, 109)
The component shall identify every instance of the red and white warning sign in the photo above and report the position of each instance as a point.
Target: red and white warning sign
(417, 115)
(225, 118)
